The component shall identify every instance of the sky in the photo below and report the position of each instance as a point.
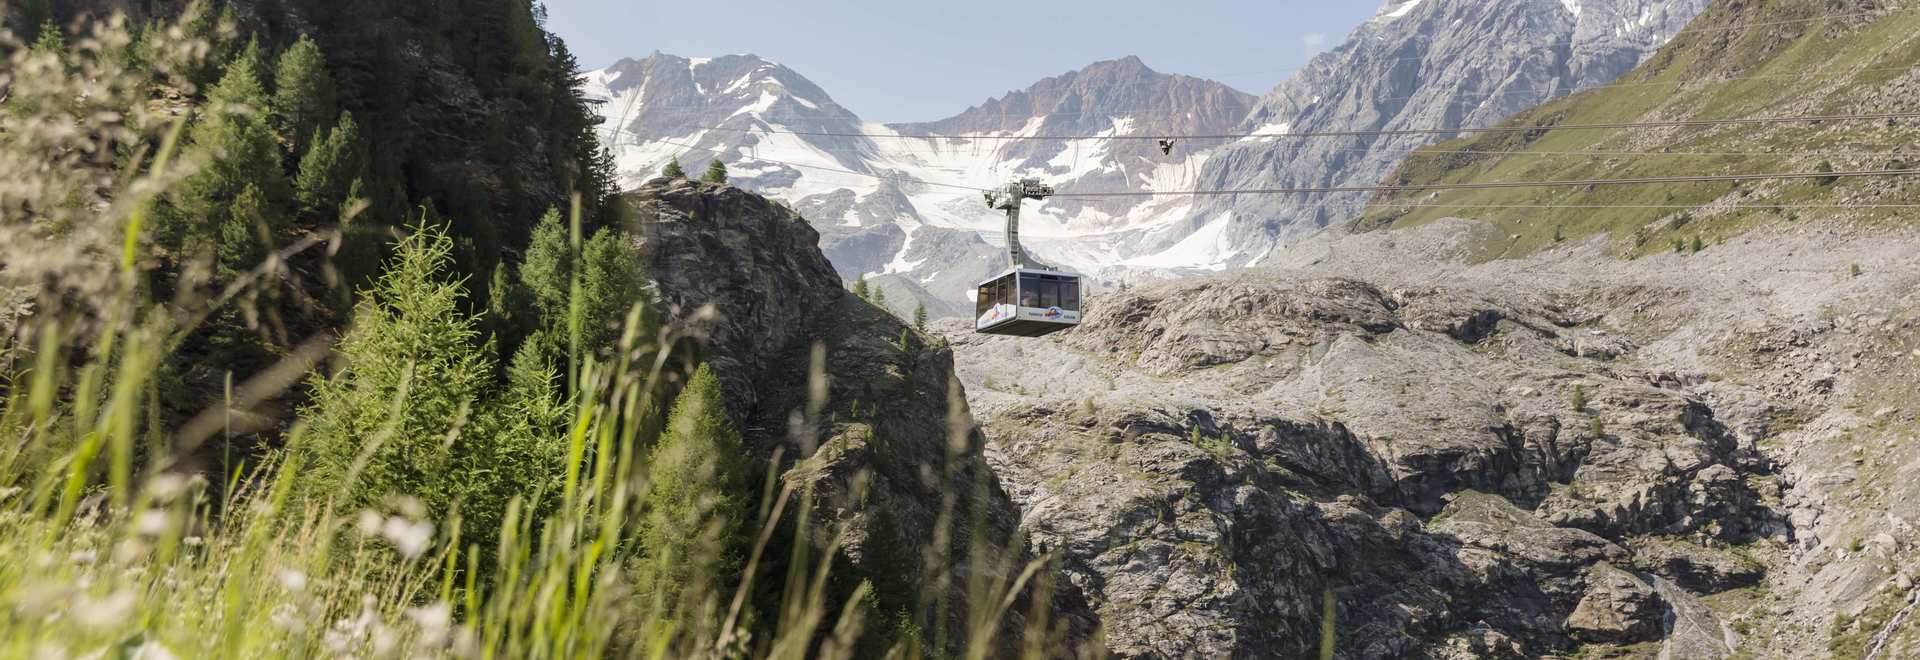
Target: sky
(920, 60)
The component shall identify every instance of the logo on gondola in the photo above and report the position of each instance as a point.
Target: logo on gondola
(1053, 313)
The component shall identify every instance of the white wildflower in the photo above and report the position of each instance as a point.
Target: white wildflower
(410, 538)
(153, 650)
(384, 641)
(152, 522)
(8, 492)
(287, 618)
(167, 487)
(369, 522)
(83, 556)
(434, 621)
(105, 612)
(293, 580)
(411, 507)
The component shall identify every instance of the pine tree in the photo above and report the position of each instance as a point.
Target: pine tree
(1698, 245)
(412, 368)
(879, 298)
(1579, 398)
(50, 41)
(672, 170)
(692, 513)
(611, 282)
(512, 313)
(920, 317)
(716, 172)
(860, 289)
(247, 234)
(336, 159)
(240, 150)
(303, 96)
(547, 271)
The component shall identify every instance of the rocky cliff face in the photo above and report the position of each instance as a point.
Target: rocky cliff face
(1419, 64)
(892, 453)
(1458, 470)
(1683, 456)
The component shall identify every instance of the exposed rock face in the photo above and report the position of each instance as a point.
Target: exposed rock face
(1618, 607)
(895, 451)
(1421, 64)
(1461, 470)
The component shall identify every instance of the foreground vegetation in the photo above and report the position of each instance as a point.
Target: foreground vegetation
(492, 460)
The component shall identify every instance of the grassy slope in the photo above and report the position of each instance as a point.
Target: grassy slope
(1740, 58)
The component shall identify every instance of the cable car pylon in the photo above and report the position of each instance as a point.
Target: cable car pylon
(1029, 299)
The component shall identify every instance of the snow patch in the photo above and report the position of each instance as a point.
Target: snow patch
(1395, 9)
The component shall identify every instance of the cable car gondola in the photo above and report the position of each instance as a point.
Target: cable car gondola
(1029, 299)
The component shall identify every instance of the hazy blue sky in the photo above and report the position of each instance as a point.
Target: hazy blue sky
(915, 60)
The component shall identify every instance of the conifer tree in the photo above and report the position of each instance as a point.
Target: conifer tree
(920, 317)
(50, 41)
(240, 150)
(512, 313)
(716, 172)
(411, 368)
(335, 160)
(611, 281)
(303, 96)
(860, 289)
(693, 511)
(548, 269)
(672, 170)
(247, 233)
(879, 298)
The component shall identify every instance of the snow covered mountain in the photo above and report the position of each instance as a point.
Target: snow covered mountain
(901, 205)
(1418, 64)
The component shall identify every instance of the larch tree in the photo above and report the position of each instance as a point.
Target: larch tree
(693, 513)
(240, 150)
(303, 94)
(335, 160)
(716, 172)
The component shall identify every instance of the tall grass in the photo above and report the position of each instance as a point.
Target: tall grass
(115, 545)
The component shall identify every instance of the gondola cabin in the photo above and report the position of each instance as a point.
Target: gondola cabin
(1024, 302)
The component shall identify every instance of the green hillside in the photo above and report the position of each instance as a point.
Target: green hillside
(1741, 58)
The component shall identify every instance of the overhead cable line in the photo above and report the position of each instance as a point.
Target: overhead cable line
(1679, 123)
(900, 178)
(1577, 183)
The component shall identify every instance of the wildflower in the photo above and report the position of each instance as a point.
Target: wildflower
(167, 487)
(369, 522)
(293, 580)
(153, 650)
(287, 618)
(434, 622)
(104, 612)
(83, 556)
(410, 538)
(152, 522)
